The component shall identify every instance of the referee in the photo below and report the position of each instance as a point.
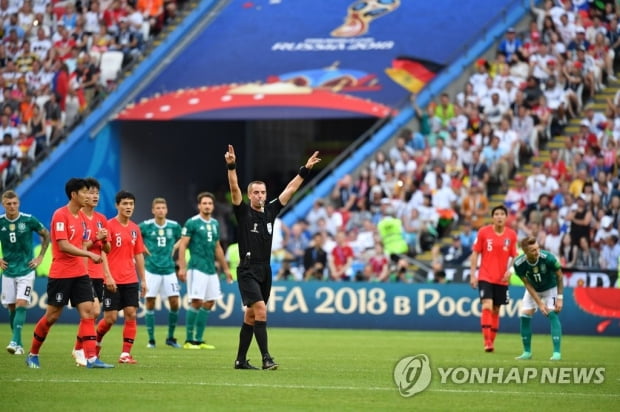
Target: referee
(255, 232)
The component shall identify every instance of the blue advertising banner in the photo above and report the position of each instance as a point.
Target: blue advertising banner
(314, 58)
(433, 307)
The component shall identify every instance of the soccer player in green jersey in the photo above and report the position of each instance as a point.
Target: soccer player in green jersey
(160, 238)
(201, 235)
(542, 276)
(18, 264)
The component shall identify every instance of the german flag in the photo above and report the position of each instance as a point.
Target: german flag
(411, 73)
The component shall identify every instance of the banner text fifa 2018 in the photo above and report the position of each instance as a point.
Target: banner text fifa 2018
(446, 307)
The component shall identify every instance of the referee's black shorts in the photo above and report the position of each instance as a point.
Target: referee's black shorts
(254, 282)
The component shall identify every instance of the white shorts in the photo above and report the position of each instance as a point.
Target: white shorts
(163, 285)
(548, 297)
(203, 286)
(20, 287)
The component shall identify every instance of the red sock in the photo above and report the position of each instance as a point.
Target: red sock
(86, 333)
(129, 335)
(485, 323)
(78, 341)
(41, 330)
(494, 325)
(102, 328)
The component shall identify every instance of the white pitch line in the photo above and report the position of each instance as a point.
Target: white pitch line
(314, 387)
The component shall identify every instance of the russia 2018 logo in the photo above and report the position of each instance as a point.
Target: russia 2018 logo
(412, 375)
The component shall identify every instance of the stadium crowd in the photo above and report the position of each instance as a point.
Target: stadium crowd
(469, 146)
(52, 56)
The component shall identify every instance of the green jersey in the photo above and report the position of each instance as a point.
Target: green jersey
(542, 274)
(204, 236)
(159, 240)
(16, 240)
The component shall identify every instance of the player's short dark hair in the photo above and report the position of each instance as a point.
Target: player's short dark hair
(205, 194)
(123, 194)
(499, 207)
(258, 182)
(75, 184)
(92, 182)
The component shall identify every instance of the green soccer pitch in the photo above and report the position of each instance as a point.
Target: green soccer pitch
(320, 369)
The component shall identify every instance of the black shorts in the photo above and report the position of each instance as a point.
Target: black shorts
(98, 288)
(61, 291)
(125, 295)
(254, 282)
(499, 293)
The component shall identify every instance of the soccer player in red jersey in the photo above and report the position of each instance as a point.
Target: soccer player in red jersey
(68, 277)
(96, 240)
(496, 245)
(125, 260)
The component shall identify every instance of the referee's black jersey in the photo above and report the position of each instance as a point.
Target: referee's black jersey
(255, 230)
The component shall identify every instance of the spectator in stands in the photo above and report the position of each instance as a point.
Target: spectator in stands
(475, 206)
(493, 110)
(510, 45)
(41, 45)
(315, 259)
(468, 234)
(568, 252)
(391, 233)
(101, 40)
(440, 153)
(499, 163)
(429, 219)
(112, 15)
(87, 76)
(605, 230)
(377, 266)
(580, 219)
(587, 257)
(153, 12)
(295, 245)
(478, 170)
(127, 41)
(53, 115)
(553, 238)
(445, 201)
(532, 92)
(70, 17)
(411, 228)
(395, 151)
(317, 212)
(6, 127)
(406, 164)
(36, 128)
(341, 259)
(445, 109)
(429, 123)
(454, 254)
(610, 253)
(93, 18)
(10, 156)
(556, 165)
(614, 210)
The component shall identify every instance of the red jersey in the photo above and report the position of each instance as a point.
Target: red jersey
(66, 226)
(126, 243)
(494, 251)
(93, 224)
